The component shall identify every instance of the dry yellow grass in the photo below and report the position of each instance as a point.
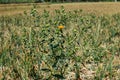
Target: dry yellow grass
(98, 7)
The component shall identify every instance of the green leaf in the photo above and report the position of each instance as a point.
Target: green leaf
(59, 76)
(46, 70)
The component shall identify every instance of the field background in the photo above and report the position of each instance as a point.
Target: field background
(101, 8)
(44, 41)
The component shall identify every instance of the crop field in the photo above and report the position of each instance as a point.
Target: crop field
(70, 41)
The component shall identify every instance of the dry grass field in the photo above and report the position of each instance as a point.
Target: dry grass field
(99, 7)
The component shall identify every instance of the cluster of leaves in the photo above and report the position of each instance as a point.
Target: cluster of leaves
(41, 46)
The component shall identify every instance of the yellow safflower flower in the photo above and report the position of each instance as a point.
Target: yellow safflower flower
(60, 27)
